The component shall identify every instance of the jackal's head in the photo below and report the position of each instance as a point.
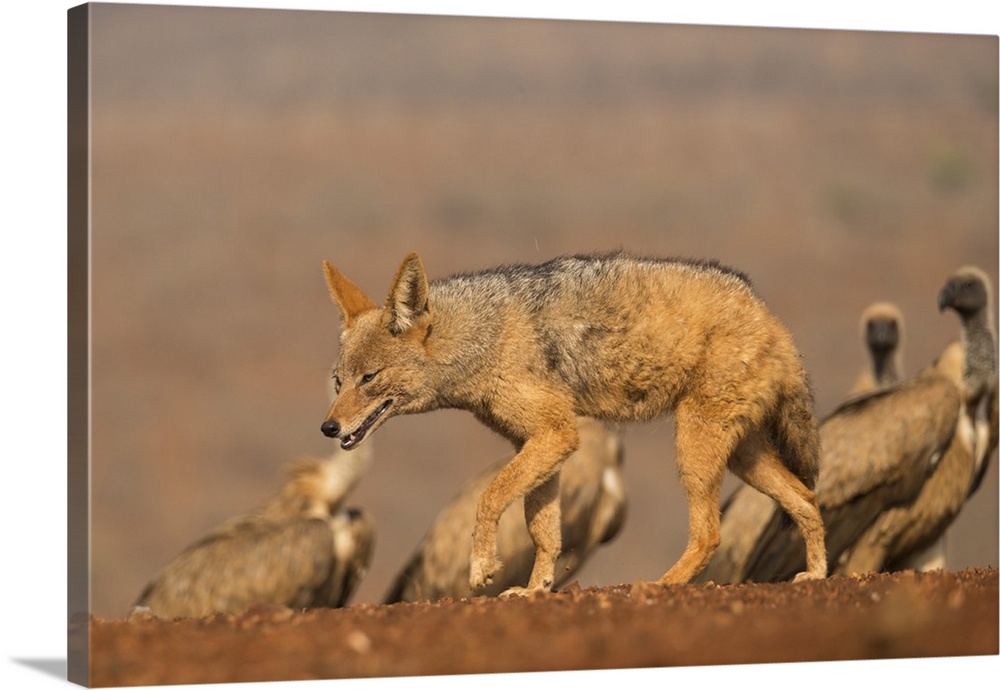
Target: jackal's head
(382, 368)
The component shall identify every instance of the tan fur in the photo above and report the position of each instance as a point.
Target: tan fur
(618, 338)
(745, 517)
(592, 506)
(348, 295)
(300, 549)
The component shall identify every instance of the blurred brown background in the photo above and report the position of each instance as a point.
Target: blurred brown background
(235, 149)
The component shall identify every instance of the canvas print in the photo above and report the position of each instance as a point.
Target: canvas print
(412, 345)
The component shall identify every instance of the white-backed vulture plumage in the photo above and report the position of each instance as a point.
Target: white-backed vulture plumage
(301, 549)
(593, 504)
(968, 292)
(897, 464)
(911, 534)
(882, 336)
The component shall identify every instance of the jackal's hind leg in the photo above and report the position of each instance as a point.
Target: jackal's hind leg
(701, 458)
(703, 535)
(757, 463)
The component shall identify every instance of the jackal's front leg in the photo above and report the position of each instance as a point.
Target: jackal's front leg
(532, 473)
(542, 512)
(483, 562)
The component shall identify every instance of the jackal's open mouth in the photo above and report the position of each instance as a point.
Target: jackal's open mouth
(354, 438)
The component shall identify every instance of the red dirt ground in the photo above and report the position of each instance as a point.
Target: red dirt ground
(879, 616)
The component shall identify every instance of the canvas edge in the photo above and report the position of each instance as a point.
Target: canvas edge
(78, 345)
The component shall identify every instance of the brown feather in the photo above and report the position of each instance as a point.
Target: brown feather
(297, 550)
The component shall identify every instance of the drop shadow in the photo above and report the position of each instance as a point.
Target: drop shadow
(51, 667)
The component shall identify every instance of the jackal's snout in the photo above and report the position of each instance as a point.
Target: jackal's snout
(330, 428)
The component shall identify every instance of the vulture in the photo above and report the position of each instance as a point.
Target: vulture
(897, 463)
(920, 530)
(882, 336)
(910, 534)
(968, 293)
(300, 549)
(593, 504)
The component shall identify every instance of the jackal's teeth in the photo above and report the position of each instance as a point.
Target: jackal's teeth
(356, 436)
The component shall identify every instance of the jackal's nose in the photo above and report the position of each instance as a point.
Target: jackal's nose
(330, 428)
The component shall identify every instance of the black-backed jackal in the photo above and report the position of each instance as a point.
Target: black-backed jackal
(527, 349)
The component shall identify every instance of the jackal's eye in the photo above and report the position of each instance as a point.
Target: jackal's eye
(336, 383)
(369, 376)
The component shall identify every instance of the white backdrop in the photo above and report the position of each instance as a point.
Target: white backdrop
(34, 304)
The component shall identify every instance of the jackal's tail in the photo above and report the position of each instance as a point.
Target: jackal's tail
(795, 432)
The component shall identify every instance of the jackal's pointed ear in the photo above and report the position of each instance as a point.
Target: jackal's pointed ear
(407, 300)
(346, 295)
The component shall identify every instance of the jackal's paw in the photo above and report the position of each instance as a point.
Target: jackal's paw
(481, 571)
(647, 592)
(806, 576)
(522, 592)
